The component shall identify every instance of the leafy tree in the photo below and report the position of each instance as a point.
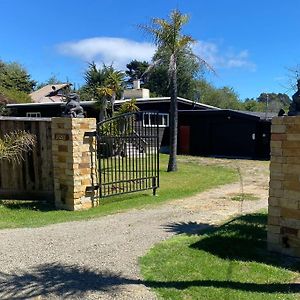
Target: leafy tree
(253, 105)
(274, 102)
(15, 95)
(293, 76)
(135, 70)
(15, 82)
(167, 36)
(229, 98)
(14, 144)
(128, 107)
(94, 80)
(114, 82)
(188, 70)
(14, 77)
(95, 77)
(52, 80)
(3, 110)
(158, 80)
(102, 85)
(284, 99)
(224, 97)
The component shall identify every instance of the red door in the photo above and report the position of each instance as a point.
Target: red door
(184, 139)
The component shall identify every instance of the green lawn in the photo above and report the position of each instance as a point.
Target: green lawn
(226, 262)
(190, 179)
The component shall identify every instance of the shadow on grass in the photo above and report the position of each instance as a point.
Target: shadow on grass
(194, 228)
(188, 228)
(245, 239)
(42, 206)
(71, 281)
(271, 288)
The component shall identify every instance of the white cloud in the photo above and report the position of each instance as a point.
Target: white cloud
(120, 51)
(108, 50)
(223, 59)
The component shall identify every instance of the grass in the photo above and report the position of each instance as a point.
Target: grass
(226, 262)
(244, 197)
(190, 179)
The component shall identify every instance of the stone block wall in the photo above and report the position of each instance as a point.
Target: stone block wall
(74, 163)
(284, 195)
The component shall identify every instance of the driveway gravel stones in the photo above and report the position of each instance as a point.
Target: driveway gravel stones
(98, 258)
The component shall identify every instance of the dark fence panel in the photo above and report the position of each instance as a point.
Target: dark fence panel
(32, 178)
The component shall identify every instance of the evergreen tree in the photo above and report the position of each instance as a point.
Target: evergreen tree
(14, 77)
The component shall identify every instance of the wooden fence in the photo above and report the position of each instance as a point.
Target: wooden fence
(32, 178)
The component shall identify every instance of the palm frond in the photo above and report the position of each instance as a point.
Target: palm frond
(151, 67)
(204, 63)
(104, 91)
(185, 41)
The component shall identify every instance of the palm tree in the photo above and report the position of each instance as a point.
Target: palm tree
(103, 85)
(14, 144)
(171, 43)
(94, 76)
(102, 95)
(114, 82)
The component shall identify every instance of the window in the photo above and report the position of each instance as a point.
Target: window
(149, 119)
(33, 114)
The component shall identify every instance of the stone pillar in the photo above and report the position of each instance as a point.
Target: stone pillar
(74, 163)
(284, 195)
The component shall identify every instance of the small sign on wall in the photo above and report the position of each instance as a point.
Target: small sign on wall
(61, 137)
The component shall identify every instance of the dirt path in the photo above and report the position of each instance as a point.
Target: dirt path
(98, 259)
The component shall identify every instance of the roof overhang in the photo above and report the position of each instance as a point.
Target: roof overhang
(119, 102)
(226, 112)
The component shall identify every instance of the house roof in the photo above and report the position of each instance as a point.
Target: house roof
(261, 115)
(48, 93)
(230, 112)
(196, 105)
(167, 99)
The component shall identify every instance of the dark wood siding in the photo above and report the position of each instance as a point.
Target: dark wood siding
(32, 178)
(226, 133)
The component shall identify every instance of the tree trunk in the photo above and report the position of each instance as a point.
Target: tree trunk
(113, 100)
(102, 109)
(101, 115)
(172, 166)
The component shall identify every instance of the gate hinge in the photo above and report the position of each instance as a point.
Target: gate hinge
(91, 188)
(90, 133)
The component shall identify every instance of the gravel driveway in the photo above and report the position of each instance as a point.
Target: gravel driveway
(98, 259)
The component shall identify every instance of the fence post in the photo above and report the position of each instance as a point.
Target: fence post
(284, 192)
(73, 155)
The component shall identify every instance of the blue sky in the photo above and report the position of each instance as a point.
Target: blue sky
(251, 44)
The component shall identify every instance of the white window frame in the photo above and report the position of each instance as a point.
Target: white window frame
(33, 114)
(161, 117)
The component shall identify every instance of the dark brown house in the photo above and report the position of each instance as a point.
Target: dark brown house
(203, 129)
(55, 109)
(224, 133)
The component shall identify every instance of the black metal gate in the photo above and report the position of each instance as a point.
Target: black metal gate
(128, 154)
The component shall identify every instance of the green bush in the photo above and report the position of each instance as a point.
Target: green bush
(15, 95)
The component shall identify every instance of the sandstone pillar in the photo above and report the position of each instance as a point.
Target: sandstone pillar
(284, 195)
(74, 163)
